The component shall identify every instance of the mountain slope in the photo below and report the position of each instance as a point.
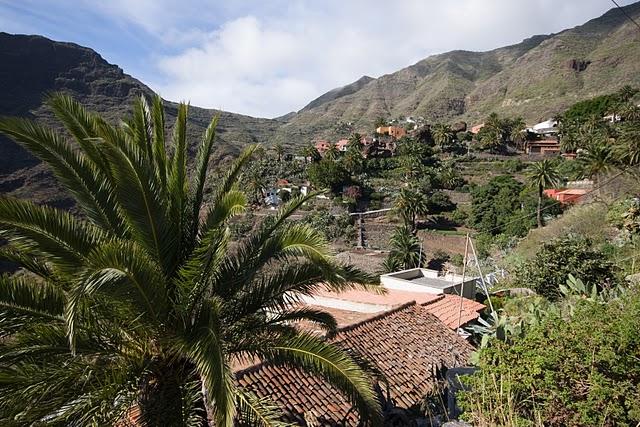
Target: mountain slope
(32, 66)
(535, 79)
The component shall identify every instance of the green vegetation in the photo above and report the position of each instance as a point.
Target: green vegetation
(542, 175)
(558, 259)
(581, 370)
(504, 206)
(141, 301)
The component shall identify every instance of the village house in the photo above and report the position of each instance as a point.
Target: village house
(568, 196)
(475, 129)
(322, 146)
(546, 128)
(394, 131)
(342, 144)
(542, 147)
(410, 346)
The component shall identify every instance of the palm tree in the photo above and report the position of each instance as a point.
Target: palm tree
(278, 148)
(409, 204)
(542, 175)
(442, 135)
(143, 301)
(595, 161)
(405, 251)
(311, 152)
(627, 148)
(517, 131)
(332, 152)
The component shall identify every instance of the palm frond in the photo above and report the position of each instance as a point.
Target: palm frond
(177, 183)
(142, 204)
(27, 260)
(320, 318)
(159, 150)
(256, 412)
(78, 122)
(195, 276)
(232, 203)
(202, 165)
(49, 231)
(88, 186)
(205, 347)
(38, 299)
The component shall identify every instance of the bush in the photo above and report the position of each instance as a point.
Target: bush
(583, 371)
(439, 202)
(334, 227)
(553, 263)
(460, 215)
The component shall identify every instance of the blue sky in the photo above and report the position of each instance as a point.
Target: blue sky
(266, 58)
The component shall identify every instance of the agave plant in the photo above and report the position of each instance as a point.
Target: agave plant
(143, 301)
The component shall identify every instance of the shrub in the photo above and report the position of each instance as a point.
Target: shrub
(553, 263)
(583, 371)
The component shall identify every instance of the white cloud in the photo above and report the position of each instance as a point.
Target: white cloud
(266, 59)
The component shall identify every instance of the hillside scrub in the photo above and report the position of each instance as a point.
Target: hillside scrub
(580, 371)
(559, 258)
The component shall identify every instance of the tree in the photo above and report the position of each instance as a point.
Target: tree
(328, 174)
(310, 152)
(256, 183)
(442, 135)
(409, 204)
(597, 160)
(332, 153)
(558, 259)
(542, 175)
(353, 159)
(405, 251)
(278, 148)
(142, 301)
(380, 122)
(492, 133)
(517, 131)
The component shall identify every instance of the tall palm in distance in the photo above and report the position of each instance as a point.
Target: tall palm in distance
(596, 160)
(278, 148)
(409, 205)
(542, 175)
(405, 251)
(442, 135)
(144, 301)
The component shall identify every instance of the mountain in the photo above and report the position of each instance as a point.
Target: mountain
(535, 79)
(32, 66)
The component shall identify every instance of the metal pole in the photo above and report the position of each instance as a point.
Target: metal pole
(464, 270)
(484, 286)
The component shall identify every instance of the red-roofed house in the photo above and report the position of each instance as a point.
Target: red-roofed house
(568, 196)
(408, 344)
(475, 129)
(342, 145)
(322, 146)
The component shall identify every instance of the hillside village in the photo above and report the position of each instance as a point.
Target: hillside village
(479, 268)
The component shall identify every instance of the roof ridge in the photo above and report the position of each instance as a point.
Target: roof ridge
(440, 297)
(379, 316)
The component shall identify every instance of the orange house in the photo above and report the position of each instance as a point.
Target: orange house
(393, 131)
(568, 196)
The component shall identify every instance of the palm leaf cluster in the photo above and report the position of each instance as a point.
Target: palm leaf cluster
(143, 301)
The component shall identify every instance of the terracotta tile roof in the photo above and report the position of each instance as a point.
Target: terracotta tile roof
(447, 310)
(444, 306)
(390, 299)
(408, 344)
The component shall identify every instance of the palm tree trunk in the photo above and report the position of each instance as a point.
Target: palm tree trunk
(539, 210)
